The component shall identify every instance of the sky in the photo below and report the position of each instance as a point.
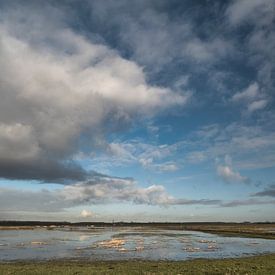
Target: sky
(137, 110)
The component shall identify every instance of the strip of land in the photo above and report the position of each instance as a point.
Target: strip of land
(264, 264)
(252, 230)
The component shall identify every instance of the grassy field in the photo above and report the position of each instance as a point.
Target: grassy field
(264, 264)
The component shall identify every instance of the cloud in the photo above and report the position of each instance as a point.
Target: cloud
(101, 190)
(259, 17)
(121, 152)
(12, 199)
(248, 202)
(240, 140)
(252, 97)
(167, 167)
(268, 192)
(229, 175)
(257, 105)
(208, 51)
(245, 11)
(156, 35)
(207, 131)
(155, 157)
(250, 93)
(196, 157)
(61, 92)
(86, 213)
(42, 169)
(198, 202)
(147, 32)
(108, 190)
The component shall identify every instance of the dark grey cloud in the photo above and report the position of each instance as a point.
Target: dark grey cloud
(196, 202)
(248, 202)
(42, 170)
(267, 192)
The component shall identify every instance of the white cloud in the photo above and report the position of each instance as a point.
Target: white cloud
(229, 175)
(146, 162)
(207, 51)
(86, 213)
(252, 97)
(251, 146)
(250, 93)
(100, 189)
(156, 39)
(167, 167)
(156, 157)
(243, 11)
(196, 157)
(257, 105)
(182, 82)
(207, 131)
(259, 45)
(120, 151)
(108, 190)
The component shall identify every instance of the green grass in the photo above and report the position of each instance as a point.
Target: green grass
(264, 264)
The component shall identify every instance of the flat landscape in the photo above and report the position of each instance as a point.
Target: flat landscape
(252, 265)
(137, 137)
(159, 248)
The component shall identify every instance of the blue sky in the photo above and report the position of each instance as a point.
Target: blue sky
(137, 110)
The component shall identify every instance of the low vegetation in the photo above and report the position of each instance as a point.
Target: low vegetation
(264, 264)
(246, 229)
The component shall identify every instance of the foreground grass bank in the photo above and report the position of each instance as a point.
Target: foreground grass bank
(264, 264)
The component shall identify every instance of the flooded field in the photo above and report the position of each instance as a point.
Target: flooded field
(124, 243)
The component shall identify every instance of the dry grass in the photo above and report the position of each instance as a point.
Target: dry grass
(261, 265)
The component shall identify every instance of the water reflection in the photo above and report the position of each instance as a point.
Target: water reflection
(124, 243)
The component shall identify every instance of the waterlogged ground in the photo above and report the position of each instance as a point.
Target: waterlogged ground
(124, 243)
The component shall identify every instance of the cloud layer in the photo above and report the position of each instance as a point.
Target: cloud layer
(60, 94)
(90, 88)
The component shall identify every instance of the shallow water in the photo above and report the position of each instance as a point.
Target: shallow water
(124, 243)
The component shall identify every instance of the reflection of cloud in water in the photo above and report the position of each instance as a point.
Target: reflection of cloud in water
(83, 238)
(38, 243)
(113, 243)
(123, 244)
